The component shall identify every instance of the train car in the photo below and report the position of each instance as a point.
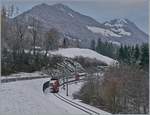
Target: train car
(54, 85)
(77, 77)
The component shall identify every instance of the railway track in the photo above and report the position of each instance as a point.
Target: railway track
(76, 105)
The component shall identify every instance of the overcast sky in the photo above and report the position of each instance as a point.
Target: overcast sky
(101, 10)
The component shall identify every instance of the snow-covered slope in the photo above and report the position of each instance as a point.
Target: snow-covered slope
(73, 52)
(104, 32)
(118, 26)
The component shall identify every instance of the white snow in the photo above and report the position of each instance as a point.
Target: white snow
(70, 15)
(30, 27)
(73, 39)
(37, 47)
(121, 21)
(103, 31)
(119, 25)
(108, 24)
(74, 52)
(115, 43)
(121, 31)
(24, 74)
(73, 88)
(27, 98)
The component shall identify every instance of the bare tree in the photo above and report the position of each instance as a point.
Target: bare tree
(51, 41)
(19, 29)
(34, 29)
(4, 26)
(65, 43)
(130, 89)
(123, 89)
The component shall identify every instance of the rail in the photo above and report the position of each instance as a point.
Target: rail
(81, 107)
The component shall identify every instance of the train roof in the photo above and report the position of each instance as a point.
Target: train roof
(53, 81)
(54, 78)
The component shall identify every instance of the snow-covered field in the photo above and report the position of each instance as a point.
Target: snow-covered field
(24, 74)
(73, 52)
(27, 98)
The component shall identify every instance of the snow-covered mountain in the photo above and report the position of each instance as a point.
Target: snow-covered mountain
(127, 31)
(77, 26)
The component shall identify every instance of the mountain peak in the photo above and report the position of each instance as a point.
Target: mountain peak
(60, 5)
(118, 22)
(121, 21)
(43, 4)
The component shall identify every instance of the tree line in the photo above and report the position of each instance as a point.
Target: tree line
(105, 48)
(22, 47)
(138, 54)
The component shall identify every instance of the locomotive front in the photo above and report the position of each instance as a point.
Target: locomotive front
(54, 85)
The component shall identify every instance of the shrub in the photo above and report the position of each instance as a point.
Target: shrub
(88, 62)
(123, 89)
(26, 62)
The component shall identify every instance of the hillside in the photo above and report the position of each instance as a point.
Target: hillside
(76, 52)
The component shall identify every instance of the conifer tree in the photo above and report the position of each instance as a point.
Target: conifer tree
(121, 53)
(145, 56)
(93, 45)
(136, 52)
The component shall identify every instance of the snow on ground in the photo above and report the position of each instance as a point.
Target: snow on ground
(27, 98)
(24, 74)
(115, 43)
(121, 31)
(74, 88)
(70, 15)
(73, 52)
(112, 32)
(103, 31)
(119, 23)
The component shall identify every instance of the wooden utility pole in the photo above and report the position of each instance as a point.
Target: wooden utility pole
(67, 85)
(67, 75)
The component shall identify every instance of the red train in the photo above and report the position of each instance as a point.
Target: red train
(54, 85)
(77, 77)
